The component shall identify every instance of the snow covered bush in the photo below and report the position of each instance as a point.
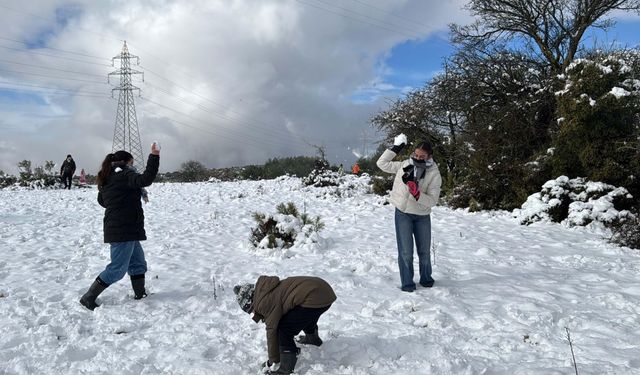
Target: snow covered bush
(322, 177)
(597, 120)
(41, 177)
(6, 180)
(628, 232)
(382, 184)
(576, 202)
(335, 184)
(283, 229)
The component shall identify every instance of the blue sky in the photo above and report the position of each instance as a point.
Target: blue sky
(412, 63)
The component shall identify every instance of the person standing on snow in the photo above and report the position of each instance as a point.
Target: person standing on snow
(119, 192)
(83, 178)
(355, 169)
(67, 170)
(287, 307)
(416, 189)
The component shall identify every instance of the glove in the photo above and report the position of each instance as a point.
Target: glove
(267, 366)
(413, 189)
(399, 142)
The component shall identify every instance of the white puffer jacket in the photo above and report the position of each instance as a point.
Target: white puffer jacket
(400, 197)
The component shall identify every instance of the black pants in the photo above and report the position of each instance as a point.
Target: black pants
(299, 319)
(66, 179)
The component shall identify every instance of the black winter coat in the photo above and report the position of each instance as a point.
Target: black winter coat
(68, 167)
(120, 195)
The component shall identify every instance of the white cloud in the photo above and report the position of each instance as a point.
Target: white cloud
(258, 78)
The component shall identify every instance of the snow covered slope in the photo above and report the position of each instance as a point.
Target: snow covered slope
(504, 292)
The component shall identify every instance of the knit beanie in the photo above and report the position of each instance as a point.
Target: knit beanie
(244, 296)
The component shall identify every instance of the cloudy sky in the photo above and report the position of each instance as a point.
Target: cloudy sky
(227, 82)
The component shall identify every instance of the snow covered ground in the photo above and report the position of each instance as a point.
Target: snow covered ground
(504, 292)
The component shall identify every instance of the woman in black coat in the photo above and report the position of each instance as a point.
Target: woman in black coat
(119, 192)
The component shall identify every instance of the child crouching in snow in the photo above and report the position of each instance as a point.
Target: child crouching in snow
(119, 192)
(287, 307)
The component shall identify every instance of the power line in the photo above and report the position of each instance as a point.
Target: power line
(48, 68)
(49, 88)
(417, 23)
(55, 20)
(54, 56)
(224, 117)
(242, 140)
(48, 76)
(243, 137)
(74, 94)
(384, 25)
(56, 49)
(270, 129)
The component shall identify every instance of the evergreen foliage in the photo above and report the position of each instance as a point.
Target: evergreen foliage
(598, 120)
(283, 229)
(627, 233)
(6, 180)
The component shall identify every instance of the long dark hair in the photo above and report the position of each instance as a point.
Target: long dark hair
(118, 157)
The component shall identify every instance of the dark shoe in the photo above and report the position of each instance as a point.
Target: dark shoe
(310, 339)
(287, 363)
(408, 289)
(137, 282)
(88, 300)
(427, 285)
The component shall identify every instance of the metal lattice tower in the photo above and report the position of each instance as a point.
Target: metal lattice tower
(126, 135)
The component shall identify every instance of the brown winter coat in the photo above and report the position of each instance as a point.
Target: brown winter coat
(274, 297)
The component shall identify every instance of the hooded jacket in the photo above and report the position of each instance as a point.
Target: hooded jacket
(429, 186)
(68, 167)
(274, 297)
(120, 195)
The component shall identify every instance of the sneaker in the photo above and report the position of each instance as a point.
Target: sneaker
(407, 289)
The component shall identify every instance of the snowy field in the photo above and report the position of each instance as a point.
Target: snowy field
(503, 297)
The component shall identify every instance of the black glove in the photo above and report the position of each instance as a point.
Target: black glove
(399, 143)
(408, 174)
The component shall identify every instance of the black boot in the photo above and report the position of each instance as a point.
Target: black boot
(88, 300)
(310, 338)
(137, 282)
(287, 363)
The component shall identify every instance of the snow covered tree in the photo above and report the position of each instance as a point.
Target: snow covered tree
(599, 122)
(552, 29)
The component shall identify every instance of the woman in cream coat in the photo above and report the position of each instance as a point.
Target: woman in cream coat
(416, 189)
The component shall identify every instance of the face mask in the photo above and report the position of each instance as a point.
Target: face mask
(418, 162)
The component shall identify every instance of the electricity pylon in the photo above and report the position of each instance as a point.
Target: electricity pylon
(126, 135)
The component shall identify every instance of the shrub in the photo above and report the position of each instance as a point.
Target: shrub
(382, 184)
(322, 177)
(627, 233)
(39, 177)
(576, 202)
(284, 229)
(194, 170)
(598, 120)
(6, 180)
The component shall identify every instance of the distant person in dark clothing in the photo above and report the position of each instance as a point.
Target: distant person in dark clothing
(120, 192)
(67, 170)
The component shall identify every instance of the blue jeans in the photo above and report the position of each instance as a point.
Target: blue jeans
(125, 257)
(409, 226)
